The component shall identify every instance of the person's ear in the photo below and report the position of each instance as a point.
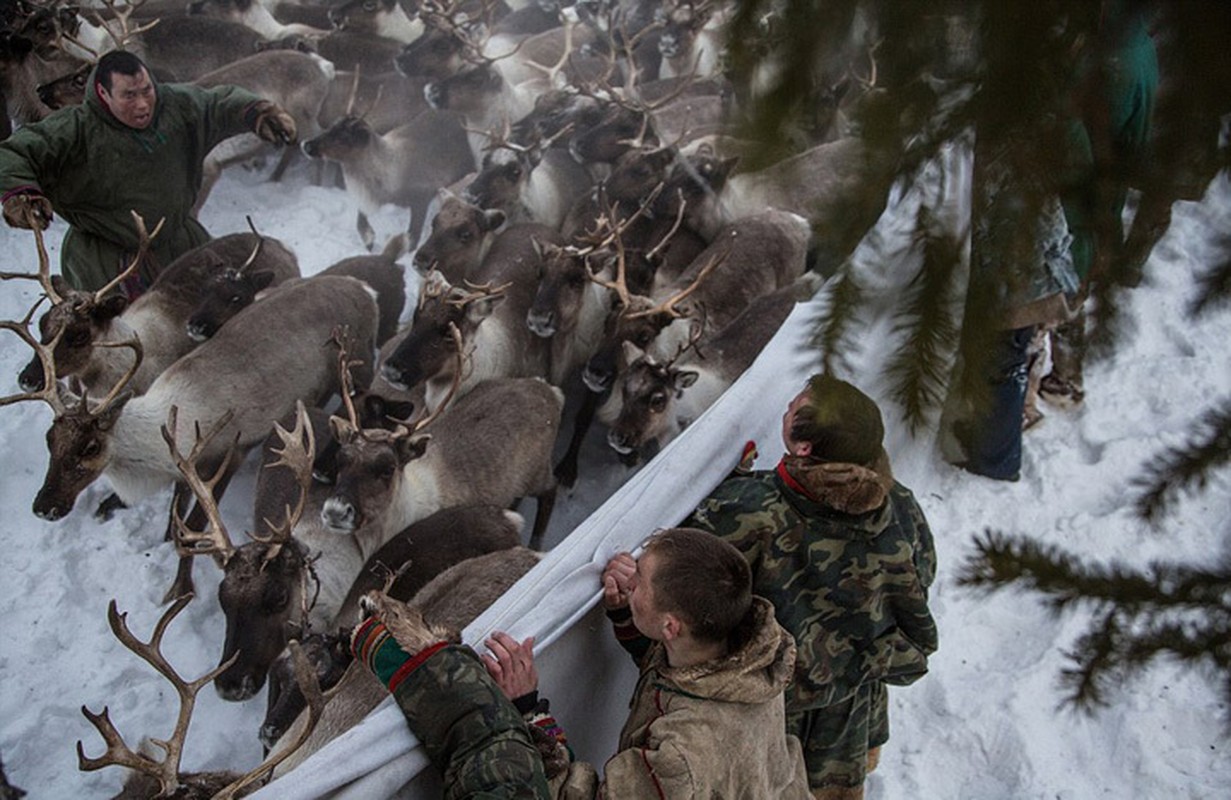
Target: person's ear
(801, 448)
(673, 627)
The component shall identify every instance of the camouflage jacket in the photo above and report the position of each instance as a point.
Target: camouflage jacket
(846, 557)
(472, 733)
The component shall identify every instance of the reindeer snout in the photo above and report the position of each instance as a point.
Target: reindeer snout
(310, 148)
(270, 734)
(236, 692)
(199, 330)
(620, 443)
(337, 17)
(340, 515)
(394, 376)
(542, 323)
(31, 378)
(596, 378)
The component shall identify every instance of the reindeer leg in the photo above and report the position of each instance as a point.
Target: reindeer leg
(542, 515)
(366, 234)
(109, 505)
(566, 470)
(287, 156)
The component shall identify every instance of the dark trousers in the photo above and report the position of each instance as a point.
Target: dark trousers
(992, 436)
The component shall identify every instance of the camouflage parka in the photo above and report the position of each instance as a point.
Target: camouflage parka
(95, 169)
(846, 556)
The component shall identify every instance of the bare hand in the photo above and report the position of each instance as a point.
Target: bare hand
(512, 666)
(617, 578)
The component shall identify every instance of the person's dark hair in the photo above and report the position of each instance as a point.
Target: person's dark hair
(840, 422)
(703, 579)
(120, 61)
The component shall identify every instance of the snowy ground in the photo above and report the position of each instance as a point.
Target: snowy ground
(982, 724)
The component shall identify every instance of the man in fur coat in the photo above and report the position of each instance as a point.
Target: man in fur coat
(846, 557)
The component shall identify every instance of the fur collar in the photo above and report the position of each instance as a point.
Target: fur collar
(849, 488)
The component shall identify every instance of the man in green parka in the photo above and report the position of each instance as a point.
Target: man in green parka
(133, 145)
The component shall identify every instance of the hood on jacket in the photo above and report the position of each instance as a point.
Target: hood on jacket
(848, 488)
(756, 671)
(95, 102)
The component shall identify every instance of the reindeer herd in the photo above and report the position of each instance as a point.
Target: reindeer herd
(581, 236)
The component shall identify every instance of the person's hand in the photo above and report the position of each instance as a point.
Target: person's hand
(391, 634)
(511, 665)
(21, 208)
(273, 123)
(617, 577)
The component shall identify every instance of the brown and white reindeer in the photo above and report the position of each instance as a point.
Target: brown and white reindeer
(749, 258)
(460, 238)
(255, 14)
(404, 166)
(655, 400)
(240, 376)
(162, 777)
(492, 445)
(384, 18)
(87, 321)
(489, 311)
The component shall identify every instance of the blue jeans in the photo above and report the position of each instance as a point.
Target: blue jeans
(992, 437)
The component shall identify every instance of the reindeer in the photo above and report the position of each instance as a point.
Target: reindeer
(655, 400)
(415, 556)
(460, 238)
(372, 55)
(404, 166)
(749, 258)
(528, 182)
(22, 70)
(449, 602)
(253, 14)
(490, 314)
(162, 777)
(391, 99)
(385, 18)
(231, 291)
(492, 445)
(691, 41)
(89, 324)
(237, 380)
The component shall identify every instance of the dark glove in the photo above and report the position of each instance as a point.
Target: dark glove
(273, 124)
(20, 207)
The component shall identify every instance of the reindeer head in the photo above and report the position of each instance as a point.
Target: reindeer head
(466, 92)
(564, 279)
(620, 129)
(79, 449)
(364, 16)
(328, 655)
(228, 292)
(76, 323)
(344, 139)
(445, 48)
(460, 231)
(67, 90)
(433, 348)
(648, 391)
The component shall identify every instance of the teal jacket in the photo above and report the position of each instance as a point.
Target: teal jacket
(94, 170)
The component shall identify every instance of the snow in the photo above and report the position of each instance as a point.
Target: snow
(984, 723)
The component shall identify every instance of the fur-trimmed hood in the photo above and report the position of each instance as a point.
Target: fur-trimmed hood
(755, 672)
(849, 488)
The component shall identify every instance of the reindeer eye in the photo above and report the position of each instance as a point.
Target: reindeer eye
(658, 402)
(642, 339)
(90, 449)
(236, 300)
(464, 236)
(370, 5)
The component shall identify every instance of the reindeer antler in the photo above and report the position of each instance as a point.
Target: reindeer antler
(214, 539)
(260, 241)
(49, 394)
(143, 247)
(668, 306)
(297, 453)
(118, 752)
(44, 261)
(125, 32)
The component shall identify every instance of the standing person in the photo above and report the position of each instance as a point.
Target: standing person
(845, 555)
(706, 720)
(133, 145)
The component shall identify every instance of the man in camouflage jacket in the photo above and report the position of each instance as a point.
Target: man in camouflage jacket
(845, 555)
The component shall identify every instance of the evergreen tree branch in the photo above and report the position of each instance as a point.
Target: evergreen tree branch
(831, 335)
(1180, 469)
(918, 369)
(1214, 285)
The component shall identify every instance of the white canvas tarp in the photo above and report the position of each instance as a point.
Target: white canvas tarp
(585, 674)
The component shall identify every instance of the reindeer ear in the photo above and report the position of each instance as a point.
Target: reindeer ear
(262, 280)
(60, 285)
(111, 413)
(683, 379)
(412, 447)
(632, 352)
(480, 310)
(110, 308)
(341, 429)
(492, 219)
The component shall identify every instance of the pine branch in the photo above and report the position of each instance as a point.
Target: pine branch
(1214, 285)
(1181, 469)
(832, 331)
(918, 369)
